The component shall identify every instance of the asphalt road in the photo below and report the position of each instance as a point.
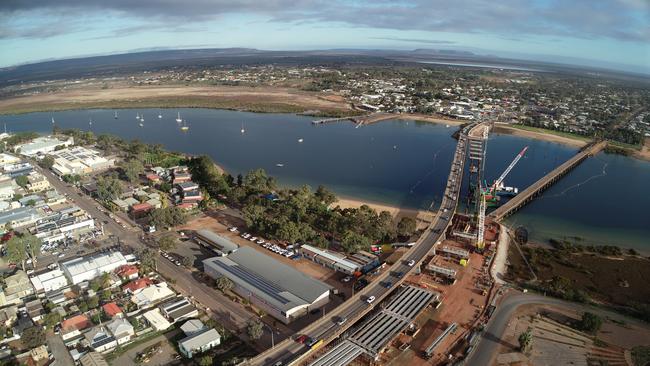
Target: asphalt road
(357, 306)
(487, 346)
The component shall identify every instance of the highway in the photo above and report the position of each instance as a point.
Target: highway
(356, 307)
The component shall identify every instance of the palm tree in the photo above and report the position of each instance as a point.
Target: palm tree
(526, 340)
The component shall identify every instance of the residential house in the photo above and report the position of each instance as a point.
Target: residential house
(17, 287)
(121, 330)
(127, 272)
(198, 343)
(112, 310)
(178, 310)
(100, 340)
(72, 327)
(137, 284)
(193, 326)
(151, 295)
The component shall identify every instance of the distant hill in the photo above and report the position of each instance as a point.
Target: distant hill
(119, 64)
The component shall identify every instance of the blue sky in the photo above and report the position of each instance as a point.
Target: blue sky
(608, 33)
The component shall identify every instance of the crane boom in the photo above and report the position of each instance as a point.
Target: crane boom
(508, 169)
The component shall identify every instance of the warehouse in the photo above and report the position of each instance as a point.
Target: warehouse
(332, 260)
(211, 239)
(78, 160)
(85, 269)
(278, 289)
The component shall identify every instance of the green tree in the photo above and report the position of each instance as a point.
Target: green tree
(205, 360)
(325, 196)
(93, 302)
(16, 251)
(132, 170)
(52, 319)
(106, 295)
(186, 261)
(258, 181)
(254, 329)
(22, 181)
(591, 322)
(167, 243)
(108, 188)
(353, 242)
(148, 259)
(167, 217)
(224, 284)
(406, 226)
(47, 162)
(33, 337)
(526, 340)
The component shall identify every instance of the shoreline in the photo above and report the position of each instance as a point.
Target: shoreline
(395, 211)
(506, 129)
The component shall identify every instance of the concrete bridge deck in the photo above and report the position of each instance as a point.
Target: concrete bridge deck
(549, 179)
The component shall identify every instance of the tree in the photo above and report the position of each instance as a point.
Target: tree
(590, 322)
(254, 329)
(353, 242)
(224, 284)
(132, 170)
(406, 226)
(148, 259)
(325, 196)
(22, 181)
(93, 302)
(167, 217)
(167, 243)
(52, 319)
(33, 337)
(108, 188)
(258, 181)
(16, 251)
(106, 295)
(526, 340)
(47, 162)
(205, 360)
(186, 261)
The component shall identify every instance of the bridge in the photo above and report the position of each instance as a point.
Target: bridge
(549, 179)
(289, 352)
(330, 120)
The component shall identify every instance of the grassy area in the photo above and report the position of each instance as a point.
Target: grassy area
(178, 102)
(623, 145)
(552, 132)
(149, 336)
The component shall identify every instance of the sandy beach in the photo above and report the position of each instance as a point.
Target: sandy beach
(430, 119)
(396, 212)
(507, 130)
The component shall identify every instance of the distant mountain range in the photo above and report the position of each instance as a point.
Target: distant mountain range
(112, 65)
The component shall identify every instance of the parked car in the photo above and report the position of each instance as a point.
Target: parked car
(233, 229)
(341, 320)
(370, 299)
(301, 338)
(411, 263)
(346, 279)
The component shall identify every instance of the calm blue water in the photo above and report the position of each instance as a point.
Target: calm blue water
(394, 162)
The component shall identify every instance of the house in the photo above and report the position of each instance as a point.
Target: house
(21, 324)
(121, 330)
(100, 340)
(72, 327)
(156, 320)
(198, 343)
(194, 196)
(193, 326)
(127, 272)
(187, 186)
(8, 315)
(151, 295)
(140, 210)
(153, 178)
(112, 310)
(137, 284)
(8, 189)
(35, 310)
(39, 353)
(17, 287)
(179, 310)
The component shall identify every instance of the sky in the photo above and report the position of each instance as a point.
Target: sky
(607, 33)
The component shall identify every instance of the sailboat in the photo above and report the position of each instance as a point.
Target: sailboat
(115, 114)
(137, 116)
(300, 140)
(185, 127)
(178, 119)
(159, 115)
(142, 118)
(242, 128)
(90, 121)
(52, 120)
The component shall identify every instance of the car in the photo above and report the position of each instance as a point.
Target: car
(398, 274)
(177, 263)
(386, 284)
(260, 241)
(310, 342)
(253, 238)
(346, 279)
(55, 253)
(233, 229)
(245, 235)
(341, 320)
(370, 299)
(411, 263)
(302, 338)
(61, 255)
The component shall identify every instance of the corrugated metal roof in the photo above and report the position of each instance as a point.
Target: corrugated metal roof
(219, 241)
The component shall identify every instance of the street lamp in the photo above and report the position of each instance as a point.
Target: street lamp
(272, 338)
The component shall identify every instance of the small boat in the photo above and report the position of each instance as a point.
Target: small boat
(242, 128)
(141, 124)
(142, 118)
(178, 119)
(447, 126)
(52, 120)
(300, 140)
(90, 121)
(115, 115)
(137, 116)
(185, 127)
(279, 165)
(159, 115)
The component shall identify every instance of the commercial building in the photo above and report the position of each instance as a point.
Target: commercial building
(218, 242)
(19, 217)
(78, 160)
(17, 170)
(332, 260)
(179, 310)
(85, 269)
(8, 188)
(282, 291)
(42, 145)
(367, 261)
(66, 223)
(198, 343)
(193, 326)
(49, 281)
(37, 182)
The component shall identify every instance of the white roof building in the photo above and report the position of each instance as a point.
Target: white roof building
(85, 269)
(42, 145)
(150, 295)
(121, 330)
(49, 281)
(78, 160)
(156, 320)
(200, 342)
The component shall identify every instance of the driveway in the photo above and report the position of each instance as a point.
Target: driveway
(59, 350)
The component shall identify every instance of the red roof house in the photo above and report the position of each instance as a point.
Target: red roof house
(78, 322)
(137, 284)
(127, 271)
(112, 310)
